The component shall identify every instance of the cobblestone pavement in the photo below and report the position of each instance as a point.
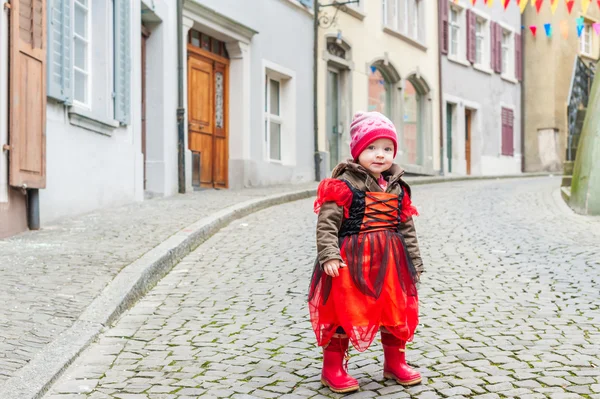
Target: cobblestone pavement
(48, 277)
(509, 308)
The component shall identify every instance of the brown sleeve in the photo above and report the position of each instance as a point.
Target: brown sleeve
(328, 226)
(407, 229)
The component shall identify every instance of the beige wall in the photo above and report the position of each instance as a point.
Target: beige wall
(363, 32)
(547, 78)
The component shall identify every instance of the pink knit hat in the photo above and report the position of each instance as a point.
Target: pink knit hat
(367, 127)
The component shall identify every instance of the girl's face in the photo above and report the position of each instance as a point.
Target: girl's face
(377, 157)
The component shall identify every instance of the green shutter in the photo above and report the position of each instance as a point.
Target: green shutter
(122, 50)
(59, 65)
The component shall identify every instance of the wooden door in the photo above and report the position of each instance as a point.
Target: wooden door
(468, 119)
(145, 35)
(27, 104)
(207, 118)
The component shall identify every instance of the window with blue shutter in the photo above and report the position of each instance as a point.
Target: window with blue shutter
(122, 60)
(59, 66)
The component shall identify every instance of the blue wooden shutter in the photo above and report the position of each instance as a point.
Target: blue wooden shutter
(122, 60)
(60, 68)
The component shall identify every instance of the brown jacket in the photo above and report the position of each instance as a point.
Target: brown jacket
(331, 215)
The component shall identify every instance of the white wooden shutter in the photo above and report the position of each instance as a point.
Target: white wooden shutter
(122, 50)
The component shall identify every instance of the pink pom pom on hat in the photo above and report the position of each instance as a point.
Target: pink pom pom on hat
(367, 127)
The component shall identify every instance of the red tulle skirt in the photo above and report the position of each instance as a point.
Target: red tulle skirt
(376, 289)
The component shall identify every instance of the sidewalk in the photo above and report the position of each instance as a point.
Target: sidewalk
(60, 286)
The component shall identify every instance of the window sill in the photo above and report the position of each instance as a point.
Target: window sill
(483, 69)
(407, 39)
(358, 14)
(302, 7)
(84, 119)
(587, 57)
(510, 79)
(458, 61)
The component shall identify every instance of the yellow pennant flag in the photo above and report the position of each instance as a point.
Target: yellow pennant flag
(564, 28)
(554, 6)
(523, 4)
(585, 4)
(490, 3)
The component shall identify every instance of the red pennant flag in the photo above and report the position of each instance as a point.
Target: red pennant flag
(570, 4)
(533, 30)
(473, 2)
(508, 1)
(538, 5)
(599, 3)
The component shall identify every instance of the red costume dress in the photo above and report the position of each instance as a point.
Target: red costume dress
(378, 286)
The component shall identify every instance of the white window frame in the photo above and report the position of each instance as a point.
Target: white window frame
(87, 104)
(408, 18)
(480, 40)
(455, 27)
(273, 118)
(586, 40)
(508, 53)
(287, 113)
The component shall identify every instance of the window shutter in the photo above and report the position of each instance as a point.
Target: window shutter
(518, 57)
(27, 88)
(499, 34)
(493, 45)
(443, 4)
(507, 132)
(122, 50)
(471, 36)
(59, 63)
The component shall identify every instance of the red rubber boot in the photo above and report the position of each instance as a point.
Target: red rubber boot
(334, 374)
(394, 364)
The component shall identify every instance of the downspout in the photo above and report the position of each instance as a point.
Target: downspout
(317, 156)
(441, 92)
(180, 107)
(522, 99)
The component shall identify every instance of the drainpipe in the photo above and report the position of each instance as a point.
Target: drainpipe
(315, 90)
(441, 92)
(522, 99)
(180, 108)
(33, 208)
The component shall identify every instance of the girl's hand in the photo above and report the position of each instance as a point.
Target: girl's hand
(331, 267)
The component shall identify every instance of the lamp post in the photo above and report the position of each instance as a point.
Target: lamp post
(323, 21)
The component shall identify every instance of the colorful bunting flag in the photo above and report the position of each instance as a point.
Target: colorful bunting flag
(473, 2)
(548, 28)
(533, 30)
(554, 5)
(597, 27)
(538, 5)
(585, 4)
(564, 28)
(570, 4)
(579, 21)
(522, 5)
(490, 3)
(579, 30)
(508, 1)
(599, 3)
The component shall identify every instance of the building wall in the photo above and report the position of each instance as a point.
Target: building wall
(94, 167)
(13, 215)
(547, 79)
(368, 42)
(485, 92)
(283, 41)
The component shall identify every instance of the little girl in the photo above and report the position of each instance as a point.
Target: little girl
(368, 261)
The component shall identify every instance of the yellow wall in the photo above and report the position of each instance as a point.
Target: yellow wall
(365, 34)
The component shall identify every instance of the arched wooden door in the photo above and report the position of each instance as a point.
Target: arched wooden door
(207, 117)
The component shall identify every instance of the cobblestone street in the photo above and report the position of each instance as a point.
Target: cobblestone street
(509, 308)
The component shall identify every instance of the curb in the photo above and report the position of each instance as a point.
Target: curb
(136, 279)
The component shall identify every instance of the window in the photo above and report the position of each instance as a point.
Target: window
(507, 53)
(379, 92)
(480, 41)
(454, 31)
(273, 120)
(81, 53)
(404, 16)
(586, 40)
(412, 123)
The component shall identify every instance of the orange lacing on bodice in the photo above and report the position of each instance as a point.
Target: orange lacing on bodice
(381, 212)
